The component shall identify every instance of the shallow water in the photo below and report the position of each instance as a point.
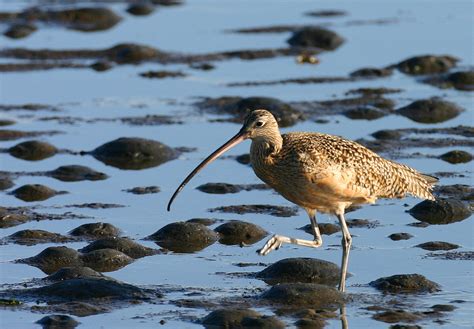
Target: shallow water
(199, 27)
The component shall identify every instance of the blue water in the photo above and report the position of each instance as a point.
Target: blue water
(422, 27)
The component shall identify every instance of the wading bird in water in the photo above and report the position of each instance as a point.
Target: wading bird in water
(320, 173)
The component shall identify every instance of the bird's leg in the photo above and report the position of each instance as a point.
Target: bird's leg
(276, 241)
(346, 248)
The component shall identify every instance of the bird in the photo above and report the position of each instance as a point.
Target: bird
(321, 173)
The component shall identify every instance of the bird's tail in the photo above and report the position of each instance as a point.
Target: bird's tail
(410, 181)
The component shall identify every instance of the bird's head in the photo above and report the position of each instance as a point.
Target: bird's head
(257, 124)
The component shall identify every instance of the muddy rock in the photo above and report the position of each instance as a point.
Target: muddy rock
(88, 288)
(243, 159)
(387, 134)
(140, 9)
(203, 221)
(162, 74)
(452, 255)
(278, 211)
(365, 113)
(443, 307)
(53, 258)
(82, 19)
(57, 321)
(67, 273)
(394, 316)
(6, 135)
(5, 183)
(303, 270)
(326, 13)
(463, 80)
(362, 223)
(240, 318)
(405, 283)
(6, 122)
(134, 153)
(143, 190)
(455, 191)
(9, 219)
(75, 173)
(238, 107)
(456, 156)
(302, 295)
(95, 230)
(76, 308)
(427, 64)
(431, 110)
(324, 228)
(372, 92)
(240, 233)
(224, 188)
(34, 192)
(129, 53)
(405, 326)
(315, 37)
(32, 237)
(19, 31)
(437, 245)
(101, 66)
(441, 211)
(127, 246)
(106, 260)
(33, 150)
(400, 236)
(371, 72)
(184, 237)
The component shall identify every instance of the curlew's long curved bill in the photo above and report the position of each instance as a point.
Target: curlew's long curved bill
(241, 136)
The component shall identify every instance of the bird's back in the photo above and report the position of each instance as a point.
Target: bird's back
(341, 170)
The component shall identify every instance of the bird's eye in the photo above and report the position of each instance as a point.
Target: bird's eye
(260, 123)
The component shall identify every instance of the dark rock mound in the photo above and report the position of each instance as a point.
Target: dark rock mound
(324, 228)
(9, 219)
(456, 156)
(57, 321)
(463, 80)
(134, 153)
(106, 260)
(303, 295)
(203, 221)
(431, 110)
(238, 107)
(437, 245)
(143, 190)
(456, 191)
(304, 270)
(387, 134)
(67, 273)
(83, 19)
(53, 258)
(19, 31)
(326, 13)
(75, 173)
(427, 64)
(441, 211)
(405, 326)
(95, 230)
(219, 188)
(101, 66)
(405, 283)
(140, 9)
(371, 72)
(315, 37)
(240, 233)
(443, 308)
(32, 237)
(400, 236)
(184, 237)
(162, 74)
(34, 192)
(127, 246)
(365, 113)
(129, 53)
(239, 318)
(394, 316)
(5, 183)
(452, 255)
(278, 211)
(32, 150)
(88, 288)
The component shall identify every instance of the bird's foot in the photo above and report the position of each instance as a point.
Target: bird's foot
(273, 243)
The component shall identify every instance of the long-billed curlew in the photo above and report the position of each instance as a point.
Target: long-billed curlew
(319, 172)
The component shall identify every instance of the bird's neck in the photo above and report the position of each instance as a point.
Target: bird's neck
(266, 146)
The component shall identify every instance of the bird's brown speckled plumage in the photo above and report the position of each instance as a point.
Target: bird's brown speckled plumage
(325, 172)
(319, 172)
